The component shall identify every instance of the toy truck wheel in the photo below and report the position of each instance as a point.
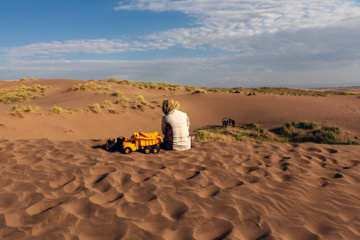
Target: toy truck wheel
(147, 150)
(156, 150)
(127, 150)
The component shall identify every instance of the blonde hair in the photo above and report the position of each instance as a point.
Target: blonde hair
(170, 105)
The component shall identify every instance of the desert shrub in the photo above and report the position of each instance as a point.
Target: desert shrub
(31, 108)
(326, 137)
(94, 108)
(15, 108)
(122, 100)
(106, 104)
(140, 99)
(101, 93)
(294, 129)
(352, 142)
(335, 130)
(285, 132)
(207, 136)
(219, 90)
(137, 106)
(90, 86)
(113, 80)
(117, 93)
(56, 110)
(72, 110)
(252, 126)
(302, 125)
(190, 89)
(139, 102)
(21, 93)
(142, 85)
(235, 134)
(199, 91)
(113, 111)
(23, 79)
(17, 113)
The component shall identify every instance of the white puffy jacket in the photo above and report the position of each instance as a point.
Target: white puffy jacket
(180, 124)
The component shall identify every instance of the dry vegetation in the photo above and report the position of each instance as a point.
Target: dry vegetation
(143, 85)
(21, 93)
(91, 85)
(276, 91)
(248, 91)
(289, 132)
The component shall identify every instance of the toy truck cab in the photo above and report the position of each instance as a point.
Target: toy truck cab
(146, 142)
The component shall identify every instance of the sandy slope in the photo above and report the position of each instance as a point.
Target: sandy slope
(57, 181)
(203, 109)
(75, 190)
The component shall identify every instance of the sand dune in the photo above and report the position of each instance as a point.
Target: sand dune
(76, 190)
(203, 109)
(58, 182)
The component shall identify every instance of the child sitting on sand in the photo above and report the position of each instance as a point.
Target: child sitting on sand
(175, 126)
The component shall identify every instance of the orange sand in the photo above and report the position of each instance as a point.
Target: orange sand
(57, 181)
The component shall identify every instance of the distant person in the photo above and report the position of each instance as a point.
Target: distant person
(229, 122)
(175, 127)
(225, 122)
(233, 123)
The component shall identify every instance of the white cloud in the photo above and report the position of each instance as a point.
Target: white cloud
(268, 37)
(224, 25)
(228, 71)
(224, 22)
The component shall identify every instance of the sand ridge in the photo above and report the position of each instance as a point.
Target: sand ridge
(76, 190)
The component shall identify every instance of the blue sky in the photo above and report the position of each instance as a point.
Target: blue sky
(230, 43)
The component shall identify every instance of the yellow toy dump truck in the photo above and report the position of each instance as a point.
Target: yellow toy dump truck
(146, 142)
